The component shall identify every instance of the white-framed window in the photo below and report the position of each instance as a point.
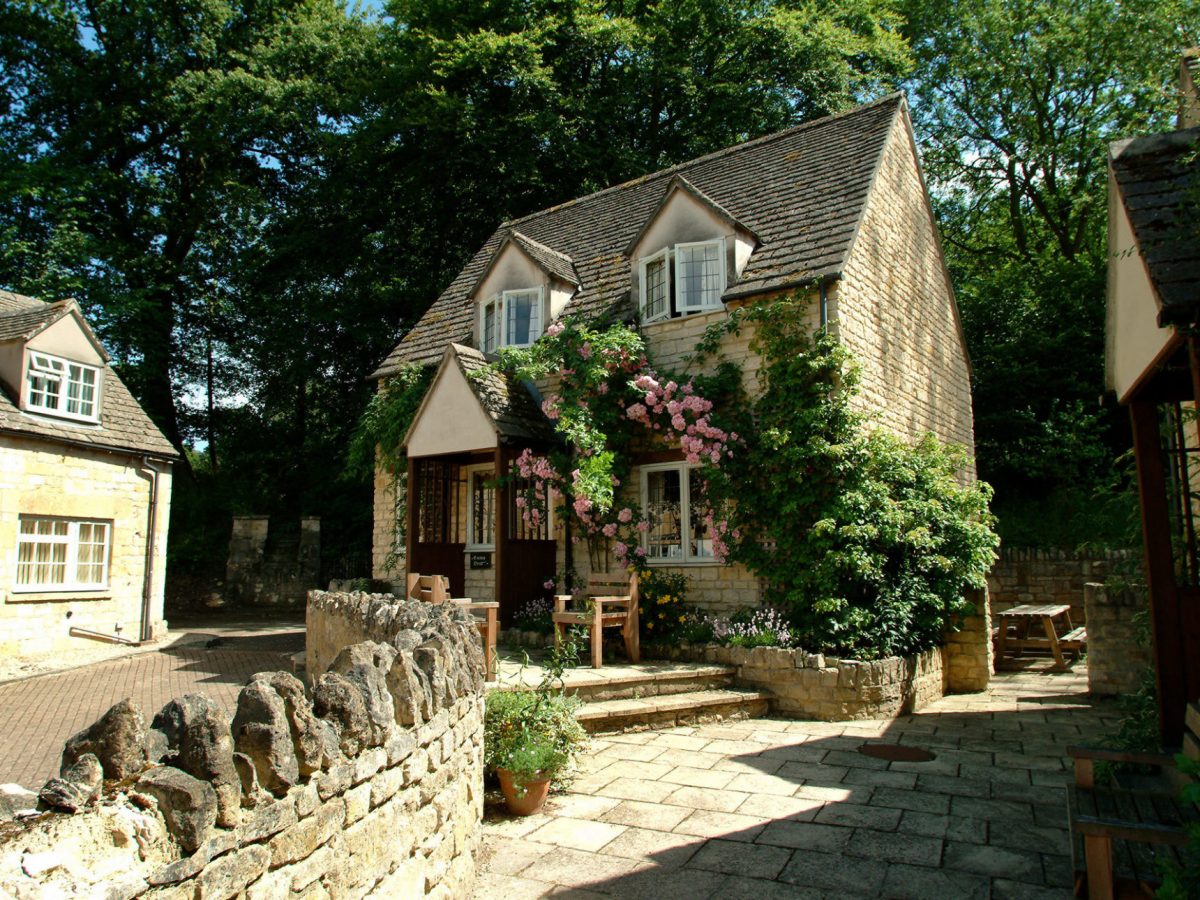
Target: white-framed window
(511, 319)
(699, 276)
(481, 506)
(62, 388)
(683, 279)
(56, 554)
(673, 504)
(656, 286)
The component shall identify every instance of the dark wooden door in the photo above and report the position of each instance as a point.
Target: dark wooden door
(525, 551)
(437, 520)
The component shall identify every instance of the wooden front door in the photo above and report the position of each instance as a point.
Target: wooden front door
(525, 552)
(437, 495)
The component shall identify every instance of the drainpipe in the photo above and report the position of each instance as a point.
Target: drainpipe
(824, 290)
(148, 469)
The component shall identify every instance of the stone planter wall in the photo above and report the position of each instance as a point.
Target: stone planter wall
(1116, 661)
(373, 788)
(815, 686)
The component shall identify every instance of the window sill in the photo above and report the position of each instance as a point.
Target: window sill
(681, 563)
(480, 548)
(58, 595)
(695, 314)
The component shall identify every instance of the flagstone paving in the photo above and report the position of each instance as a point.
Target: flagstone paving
(766, 808)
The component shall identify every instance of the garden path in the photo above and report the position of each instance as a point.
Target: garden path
(765, 808)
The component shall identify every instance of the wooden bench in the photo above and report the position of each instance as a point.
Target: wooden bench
(611, 602)
(436, 589)
(1120, 835)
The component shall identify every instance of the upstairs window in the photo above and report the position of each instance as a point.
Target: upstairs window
(62, 388)
(511, 319)
(683, 279)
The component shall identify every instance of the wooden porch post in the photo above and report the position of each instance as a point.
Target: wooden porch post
(498, 558)
(410, 514)
(1165, 620)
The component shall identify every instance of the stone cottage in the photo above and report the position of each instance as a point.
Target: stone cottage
(835, 209)
(85, 489)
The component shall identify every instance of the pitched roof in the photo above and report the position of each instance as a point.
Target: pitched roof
(509, 403)
(124, 425)
(801, 192)
(1159, 180)
(679, 183)
(556, 263)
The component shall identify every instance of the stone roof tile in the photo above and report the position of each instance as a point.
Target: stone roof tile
(801, 192)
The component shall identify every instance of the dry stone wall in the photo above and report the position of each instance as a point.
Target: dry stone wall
(369, 785)
(1052, 576)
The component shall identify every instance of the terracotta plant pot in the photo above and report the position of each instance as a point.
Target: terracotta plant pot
(523, 802)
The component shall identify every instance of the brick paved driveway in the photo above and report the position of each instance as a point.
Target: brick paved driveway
(38, 714)
(771, 808)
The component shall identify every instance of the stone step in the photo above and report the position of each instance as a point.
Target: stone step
(672, 709)
(626, 685)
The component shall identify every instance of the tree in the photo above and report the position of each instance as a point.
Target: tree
(139, 139)
(1015, 102)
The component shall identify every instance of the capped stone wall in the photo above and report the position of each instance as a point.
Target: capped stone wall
(1117, 661)
(369, 785)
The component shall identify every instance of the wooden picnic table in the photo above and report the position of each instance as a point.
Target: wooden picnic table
(1024, 616)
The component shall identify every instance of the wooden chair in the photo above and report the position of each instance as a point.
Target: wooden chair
(436, 589)
(614, 600)
(1119, 834)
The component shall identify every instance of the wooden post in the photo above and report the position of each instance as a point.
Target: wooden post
(410, 514)
(1166, 627)
(498, 557)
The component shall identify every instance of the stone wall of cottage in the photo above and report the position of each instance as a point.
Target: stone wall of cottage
(370, 785)
(894, 308)
(387, 533)
(1118, 657)
(967, 651)
(42, 478)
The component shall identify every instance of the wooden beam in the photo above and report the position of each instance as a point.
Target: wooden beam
(502, 548)
(410, 514)
(1165, 624)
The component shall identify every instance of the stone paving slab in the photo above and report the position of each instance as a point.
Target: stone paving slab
(765, 808)
(38, 714)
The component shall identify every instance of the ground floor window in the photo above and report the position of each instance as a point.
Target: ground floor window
(58, 554)
(482, 493)
(673, 503)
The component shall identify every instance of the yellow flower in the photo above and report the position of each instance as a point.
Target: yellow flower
(683, 618)
(649, 624)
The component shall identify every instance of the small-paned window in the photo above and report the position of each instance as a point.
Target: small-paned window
(700, 274)
(62, 554)
(511, 319)
(62, 388)
(673, 503)
(683, 279)
(482, 494)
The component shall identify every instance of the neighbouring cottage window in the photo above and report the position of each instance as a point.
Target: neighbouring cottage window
(673, 502)
(482, 531)
(511, 319)
(62, 388)
(683, 279)
(57, 554)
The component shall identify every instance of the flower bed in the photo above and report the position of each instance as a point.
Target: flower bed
(814, 686)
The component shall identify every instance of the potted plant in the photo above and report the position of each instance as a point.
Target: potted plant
(531, 737)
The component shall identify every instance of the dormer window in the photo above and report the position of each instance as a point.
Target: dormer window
(63, 388)
(510, 319)
(683, 279)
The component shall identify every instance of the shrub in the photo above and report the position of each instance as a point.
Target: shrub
(662, 606)
(763, 627)
(535, 616)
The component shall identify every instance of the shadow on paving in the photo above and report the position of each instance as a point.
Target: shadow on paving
(800, 812)
(232, 659)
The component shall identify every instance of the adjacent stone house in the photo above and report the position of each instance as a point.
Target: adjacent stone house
(835, 209)
(85, 489)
